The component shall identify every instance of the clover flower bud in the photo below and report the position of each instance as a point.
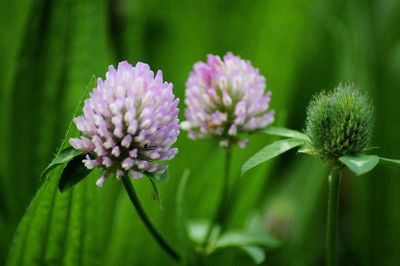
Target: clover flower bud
(129, 123)
(340, 122)
(225, 98)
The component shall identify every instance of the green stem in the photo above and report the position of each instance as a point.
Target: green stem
(146, 220)
(332, 219)
(219, 215)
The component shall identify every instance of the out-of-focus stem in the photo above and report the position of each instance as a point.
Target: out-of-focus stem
(332, 218)
(224, 197)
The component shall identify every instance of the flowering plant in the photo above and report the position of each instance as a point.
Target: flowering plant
(338, 129)
(226, 97)
(128, 125)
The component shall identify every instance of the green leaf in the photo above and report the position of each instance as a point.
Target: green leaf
(308, 149)
(65, 153)
(158, 177)
(154, 178)
(66, 227)
(241, 239)
(71, 128)
(180, 196)
(156, 191)
(250, 242)
(181, 217)
(197, 231)
(390, 162)
(360, 164)
(285, 132)
(270, 151)
(73, 173)
(62, 157)
(257, 254)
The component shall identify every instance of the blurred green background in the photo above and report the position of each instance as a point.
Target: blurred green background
(49, 49)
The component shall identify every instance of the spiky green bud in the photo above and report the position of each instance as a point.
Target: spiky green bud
(340, 122)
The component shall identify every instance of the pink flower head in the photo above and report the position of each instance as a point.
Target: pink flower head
(129, 123)
(224, 98)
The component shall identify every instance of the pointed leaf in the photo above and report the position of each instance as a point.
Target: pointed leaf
(180, 196)
(390, 162)
(71, 128)
(257, 254)
(158, 177)
(197, 231)
(241, 239)
(156, 191)
(249, 242)
(62, 228)
(66, 227)
(285, 132)
(64, 156)
(181, 216)
(270, 151)
(73, 173)
(360, 164)
(66, 153)
(308, 149)
(154, 178)
(53, 221)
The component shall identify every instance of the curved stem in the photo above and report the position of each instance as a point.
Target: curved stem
(146, 220)
(219, 215)
(332, 218)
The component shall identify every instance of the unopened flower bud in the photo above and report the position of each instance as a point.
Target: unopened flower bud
(340, 122)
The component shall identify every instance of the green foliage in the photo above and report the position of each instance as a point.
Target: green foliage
(158, 177)
(360, 164)
(270, 151)
(64, 156)
(49, 50)
(256, 253)
(64, 227)
(74, 172)
(340, 122)
(390, 162)
(363, 163)
(253, 244)
(235, 238)
(156, 191)
(285, 132)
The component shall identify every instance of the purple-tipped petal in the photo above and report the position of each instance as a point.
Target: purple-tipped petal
(131, 114)
(135, 174)
(243, 143)
(102, 179)
(225, 98)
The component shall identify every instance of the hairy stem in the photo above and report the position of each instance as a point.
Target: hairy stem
(146, 220)
(332, 218)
